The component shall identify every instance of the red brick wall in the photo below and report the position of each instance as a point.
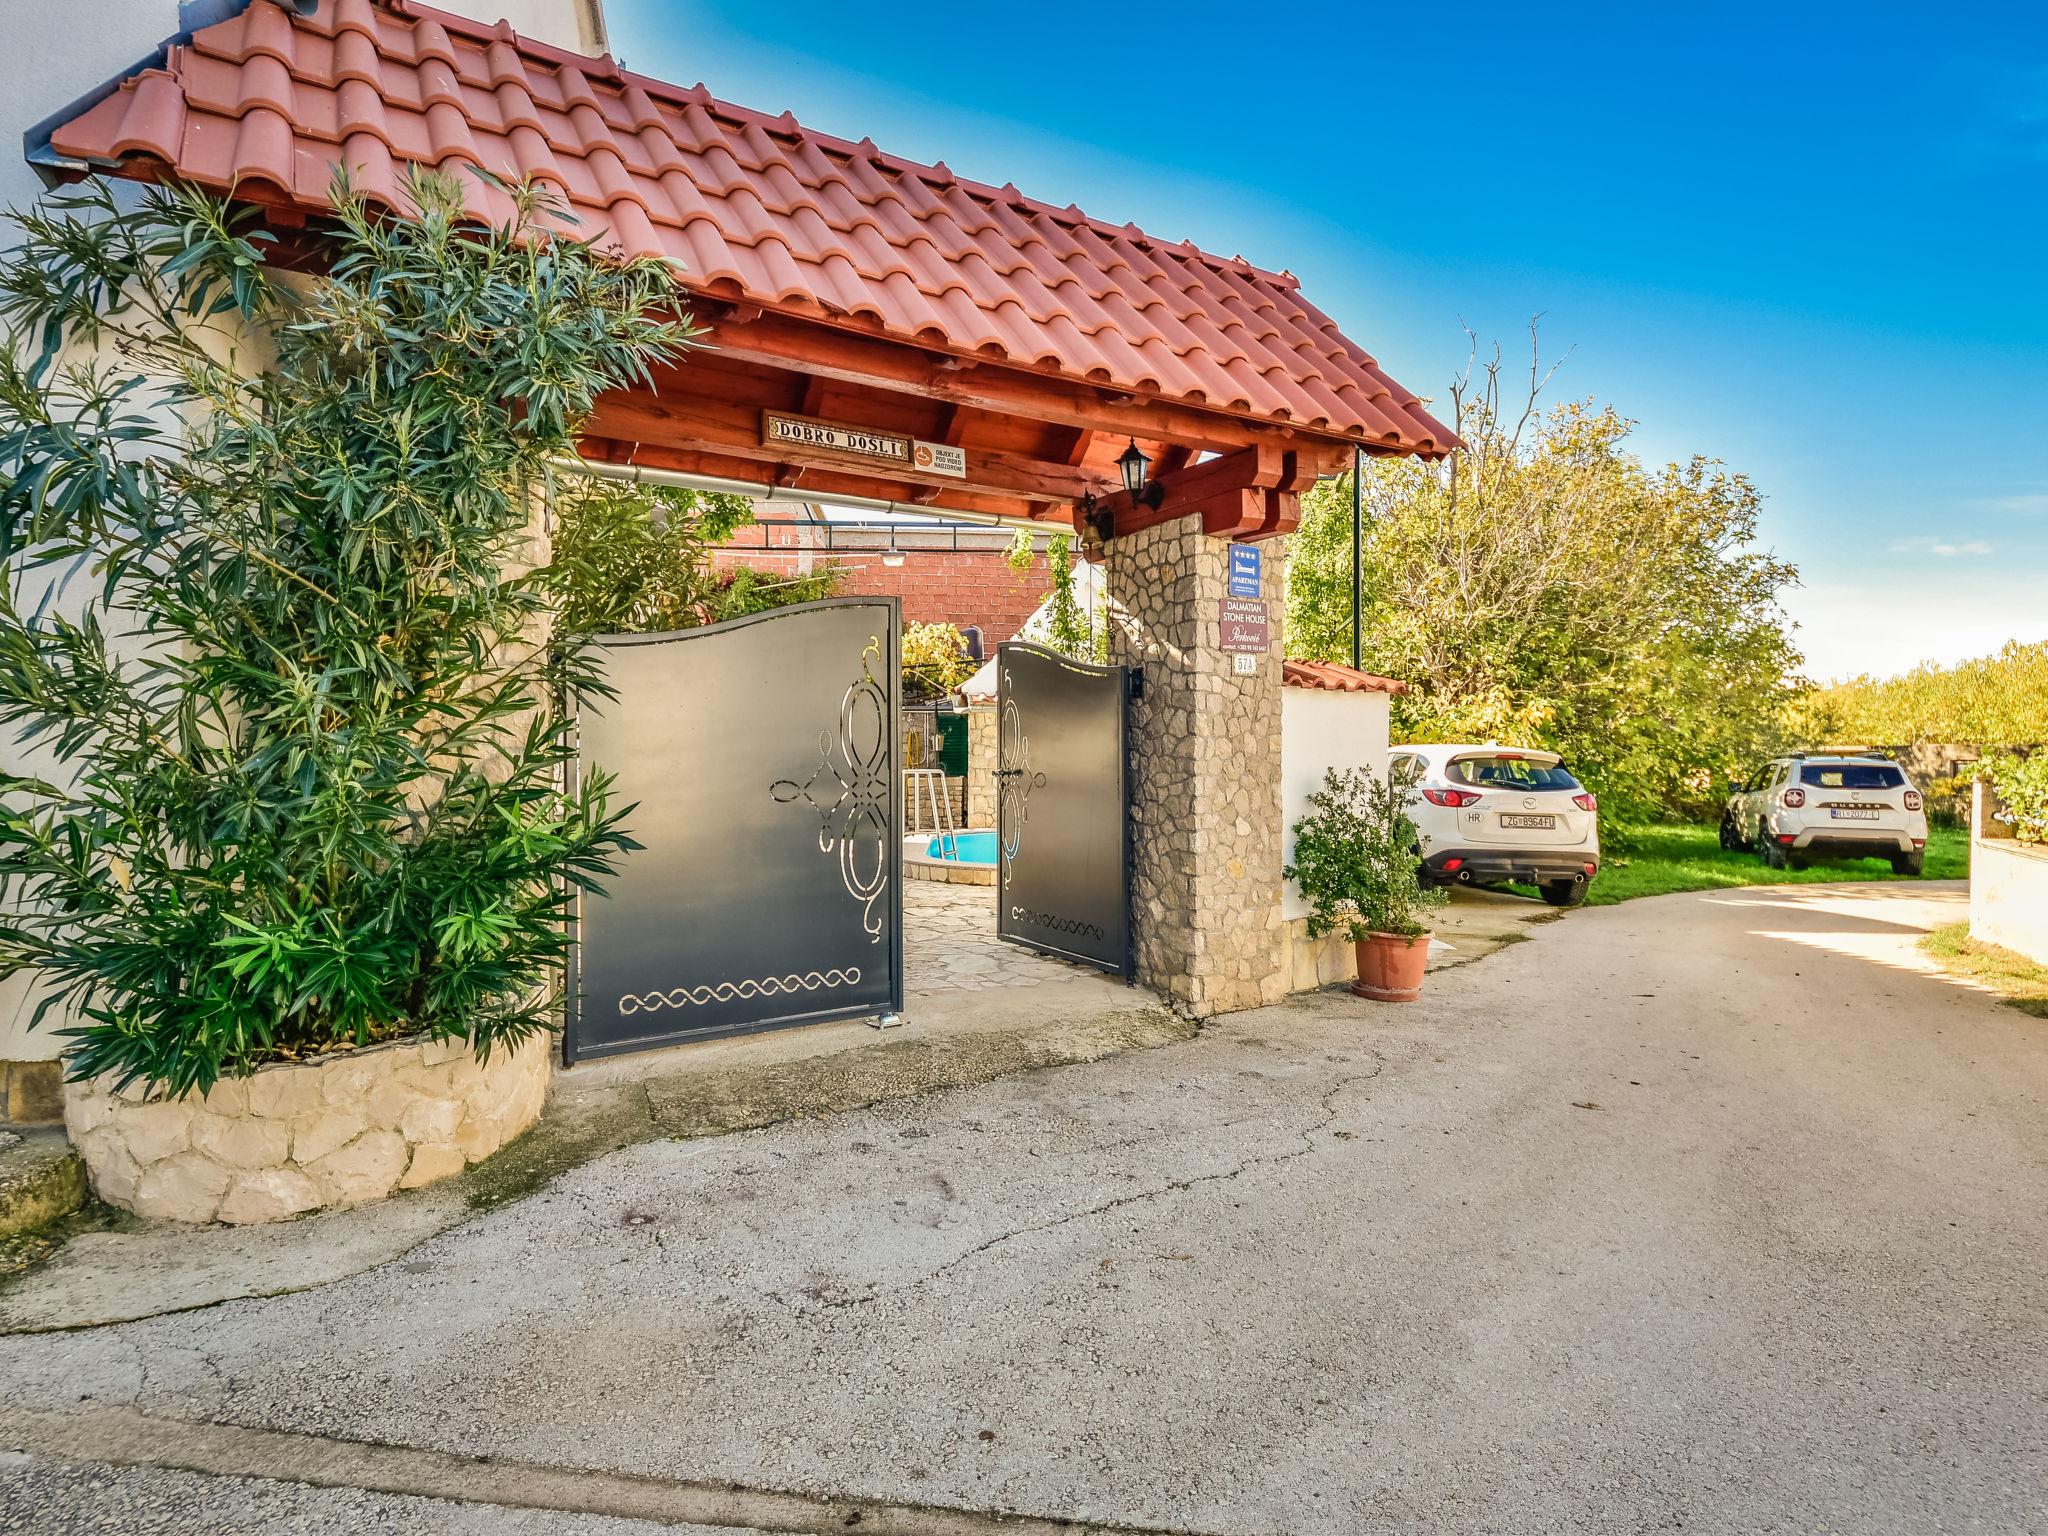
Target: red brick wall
(958, 587)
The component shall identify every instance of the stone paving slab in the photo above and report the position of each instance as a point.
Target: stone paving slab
(950, 944)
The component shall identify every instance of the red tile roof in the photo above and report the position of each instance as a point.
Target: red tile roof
(755, 208)
(1332, 678)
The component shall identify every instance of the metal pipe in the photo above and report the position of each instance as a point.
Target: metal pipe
(644, 474)
(1357, 561)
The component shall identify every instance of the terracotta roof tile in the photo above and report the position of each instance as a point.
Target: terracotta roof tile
(752, 206)
(1329, 677)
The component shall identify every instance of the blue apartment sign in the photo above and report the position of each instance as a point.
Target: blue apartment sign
(1244, 570)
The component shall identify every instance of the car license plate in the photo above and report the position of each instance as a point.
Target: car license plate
(1854, 815)
(1529, 823)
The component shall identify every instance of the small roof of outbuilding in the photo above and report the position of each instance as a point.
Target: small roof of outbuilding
(756, 209)
(1333, 678)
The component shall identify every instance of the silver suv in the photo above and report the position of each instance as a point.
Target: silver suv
(1812, 805)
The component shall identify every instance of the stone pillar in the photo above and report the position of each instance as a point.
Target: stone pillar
(1205, 774)
(981, 765)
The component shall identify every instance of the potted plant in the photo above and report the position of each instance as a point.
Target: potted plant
(1356, 863)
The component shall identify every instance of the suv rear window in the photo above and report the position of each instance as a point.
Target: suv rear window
(1509, 773)
(1851, 776)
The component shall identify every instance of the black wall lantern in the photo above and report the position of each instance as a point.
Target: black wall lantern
(1133, 463)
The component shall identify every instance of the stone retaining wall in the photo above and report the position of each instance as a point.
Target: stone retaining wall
(1316, 963)
(300, 1136)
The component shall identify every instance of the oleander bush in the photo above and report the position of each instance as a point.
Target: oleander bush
(268, 628)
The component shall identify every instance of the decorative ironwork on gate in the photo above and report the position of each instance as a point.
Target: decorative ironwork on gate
(863, 790)
(765, 891)
(1063, 806)
(1016, 778)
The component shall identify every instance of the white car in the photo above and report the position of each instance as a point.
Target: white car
(1485, 814)
(1844, 805)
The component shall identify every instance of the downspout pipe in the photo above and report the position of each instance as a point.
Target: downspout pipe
(1357, 558)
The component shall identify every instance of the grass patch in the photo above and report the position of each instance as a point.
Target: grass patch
(1658, 860)
(2022, 983)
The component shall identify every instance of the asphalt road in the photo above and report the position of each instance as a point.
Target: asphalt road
(1715, 1212)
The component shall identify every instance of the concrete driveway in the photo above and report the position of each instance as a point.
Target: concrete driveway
(1718, 1212)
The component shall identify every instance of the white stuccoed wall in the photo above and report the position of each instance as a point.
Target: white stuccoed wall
(52, 52)
(2009, 897)
(1320, 730)
(577, 24)
(2008, 881)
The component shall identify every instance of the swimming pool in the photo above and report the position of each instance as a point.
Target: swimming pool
(964, 847)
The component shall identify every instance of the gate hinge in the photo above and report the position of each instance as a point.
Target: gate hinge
(1137, 682)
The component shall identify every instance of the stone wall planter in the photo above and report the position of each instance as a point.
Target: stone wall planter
(302, 1136)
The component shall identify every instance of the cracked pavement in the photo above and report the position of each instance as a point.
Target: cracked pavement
(1717, 1210)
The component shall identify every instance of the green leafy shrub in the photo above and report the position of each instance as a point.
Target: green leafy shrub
(1355, 858)
(2022, 783)
(744, 590)
(638, 560)
(306, 783)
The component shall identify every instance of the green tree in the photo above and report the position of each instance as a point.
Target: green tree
(322, 806)
(639, 559)
(1991, 701)
(1545, 587)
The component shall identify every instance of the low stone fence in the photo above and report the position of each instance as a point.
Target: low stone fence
(299, 1136)
(2008, 882)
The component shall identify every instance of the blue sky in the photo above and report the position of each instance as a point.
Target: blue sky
(1810, 240)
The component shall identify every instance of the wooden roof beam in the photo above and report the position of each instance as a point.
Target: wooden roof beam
(735, 431)
(818, 483)
(781, 342)
(1251, 494)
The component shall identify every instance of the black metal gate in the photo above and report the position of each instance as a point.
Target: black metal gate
(1063, 810)
(762, 754)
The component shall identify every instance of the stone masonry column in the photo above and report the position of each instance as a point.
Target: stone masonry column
(982, 748)
(1205, 773)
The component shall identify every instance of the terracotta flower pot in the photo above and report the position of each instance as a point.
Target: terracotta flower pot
(1390, 966)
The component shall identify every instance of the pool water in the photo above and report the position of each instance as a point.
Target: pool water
(966, 847)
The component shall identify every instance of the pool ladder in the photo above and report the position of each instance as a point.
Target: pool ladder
(922, 786)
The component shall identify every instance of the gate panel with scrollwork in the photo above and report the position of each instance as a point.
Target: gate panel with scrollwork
(1063, 864)
(761, 758)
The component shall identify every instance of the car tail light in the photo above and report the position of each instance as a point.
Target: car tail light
(1455, 798)
(1919, 842)
(1788, 838)
(1794, 798)
(1912, 799)
(1452, 866)
(1585, 802)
